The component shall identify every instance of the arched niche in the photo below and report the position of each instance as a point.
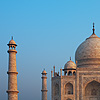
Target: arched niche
(68, 89)
(74, 73)
(56, 89)
(65, 73)
(92, 91)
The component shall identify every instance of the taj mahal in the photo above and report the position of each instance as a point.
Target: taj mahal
(76, 81)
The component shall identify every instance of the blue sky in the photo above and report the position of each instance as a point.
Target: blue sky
(47, 32)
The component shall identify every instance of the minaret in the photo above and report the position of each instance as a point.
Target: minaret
(12, 72)
(44, 85)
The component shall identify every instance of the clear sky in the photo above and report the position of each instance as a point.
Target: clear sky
(47, 32)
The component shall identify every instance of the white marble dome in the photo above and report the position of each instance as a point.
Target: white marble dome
(70, 65)
(88, 51)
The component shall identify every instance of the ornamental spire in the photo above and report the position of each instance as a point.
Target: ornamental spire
(93, 29)
(70, 58)
(12, 37)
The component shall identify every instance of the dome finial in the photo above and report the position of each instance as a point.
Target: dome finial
(70, 58)
(12, 37)
(93, 29)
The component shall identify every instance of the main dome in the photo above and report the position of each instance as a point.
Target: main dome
(89, 51)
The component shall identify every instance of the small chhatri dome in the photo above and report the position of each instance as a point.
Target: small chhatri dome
(89, 51)
(70, 65)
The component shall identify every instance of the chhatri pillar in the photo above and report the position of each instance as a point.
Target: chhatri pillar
(12, 72)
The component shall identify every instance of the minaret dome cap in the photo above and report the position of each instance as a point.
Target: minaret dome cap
(12, 42)
(44, 72)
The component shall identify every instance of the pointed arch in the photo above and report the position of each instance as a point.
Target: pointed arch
(74, 73)
(92, 90)
(69, 99)
(68, 89)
